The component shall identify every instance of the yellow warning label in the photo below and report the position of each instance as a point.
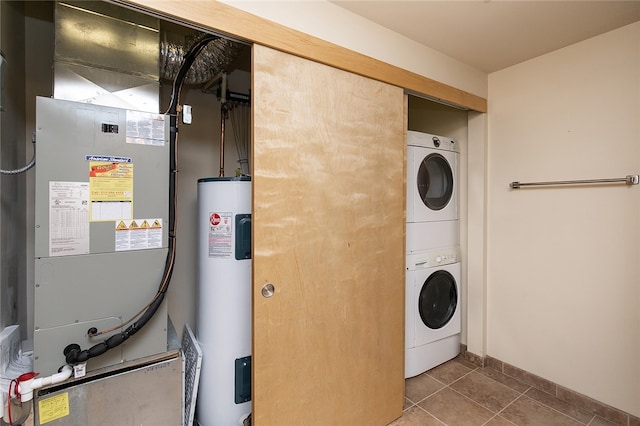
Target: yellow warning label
(53, 408)
(138, 234)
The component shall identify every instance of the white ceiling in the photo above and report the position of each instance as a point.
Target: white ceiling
(494, 34)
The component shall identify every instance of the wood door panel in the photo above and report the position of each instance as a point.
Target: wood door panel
(328, 232)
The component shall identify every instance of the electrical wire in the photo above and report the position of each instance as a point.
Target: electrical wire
(73, 353)
(29, 165)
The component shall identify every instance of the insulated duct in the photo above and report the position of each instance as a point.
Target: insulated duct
(215, 57)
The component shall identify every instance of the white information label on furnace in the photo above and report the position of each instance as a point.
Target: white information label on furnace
(138, 234)
(145, 128)
(220, 234)
(68, 218)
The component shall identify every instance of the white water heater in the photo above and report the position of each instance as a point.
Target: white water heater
(224, 300)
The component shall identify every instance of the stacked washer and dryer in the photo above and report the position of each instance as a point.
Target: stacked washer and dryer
(433, 318)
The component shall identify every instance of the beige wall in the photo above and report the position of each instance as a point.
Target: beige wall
(334, 24)
(564, 263)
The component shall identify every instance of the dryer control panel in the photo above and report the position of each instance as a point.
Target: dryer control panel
(427, 140)
(431, 258)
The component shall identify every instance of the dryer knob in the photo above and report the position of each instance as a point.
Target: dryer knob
(438, 259)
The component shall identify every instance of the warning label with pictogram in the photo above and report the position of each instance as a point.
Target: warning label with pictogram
(220, 234)
(138, 234)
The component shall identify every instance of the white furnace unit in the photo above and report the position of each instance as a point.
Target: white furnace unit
(101, 238)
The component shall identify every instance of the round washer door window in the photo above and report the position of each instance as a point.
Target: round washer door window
(438, 299)
(435, 181)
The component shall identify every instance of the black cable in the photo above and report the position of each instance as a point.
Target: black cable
(73, 353)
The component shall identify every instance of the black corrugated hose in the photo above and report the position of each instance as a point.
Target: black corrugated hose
(73, 353)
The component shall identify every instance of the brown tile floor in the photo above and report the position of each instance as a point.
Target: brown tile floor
(457, 393)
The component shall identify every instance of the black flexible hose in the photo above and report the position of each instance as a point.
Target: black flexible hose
(73, 353)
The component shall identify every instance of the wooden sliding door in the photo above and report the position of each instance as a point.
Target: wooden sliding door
(328, 237)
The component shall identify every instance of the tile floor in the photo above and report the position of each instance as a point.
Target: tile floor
(457, 393)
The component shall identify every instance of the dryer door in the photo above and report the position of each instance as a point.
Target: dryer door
(438, 300)
(435, 181)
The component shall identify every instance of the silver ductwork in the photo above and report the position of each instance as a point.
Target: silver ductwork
(106, 55)
(109, 55)
(215, 57)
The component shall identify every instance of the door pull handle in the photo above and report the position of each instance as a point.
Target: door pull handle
(268, 290)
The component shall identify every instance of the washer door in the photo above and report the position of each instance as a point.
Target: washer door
(438, 299)
(435, 181)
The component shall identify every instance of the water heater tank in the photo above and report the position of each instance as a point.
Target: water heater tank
(224, 300)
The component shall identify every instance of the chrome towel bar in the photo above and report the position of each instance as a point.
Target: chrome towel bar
(629, 180)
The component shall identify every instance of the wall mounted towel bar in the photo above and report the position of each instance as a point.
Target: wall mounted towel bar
(629, 180)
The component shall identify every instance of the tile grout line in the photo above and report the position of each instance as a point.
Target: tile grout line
(592, 419)
(512, 402)
(560, 412)
(430, 413)
(557, 387)
(509, 404)
(476, 402)
(437, 419)
(519, 397)
(503, 418)
(440, 390)
(545, 405)
(521, 394)
(580, 413)
(473, 401)
(429, 395)
(444, 385)
(498, 413)
(461, 377)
